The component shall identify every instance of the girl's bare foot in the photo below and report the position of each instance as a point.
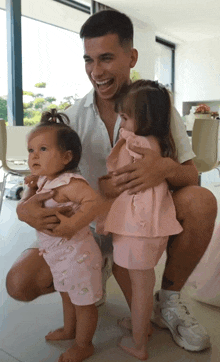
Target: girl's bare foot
(59, 334)
(77, 353)
(127, 344)
(126, 323)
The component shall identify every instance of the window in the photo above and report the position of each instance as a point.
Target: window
(164, 66)
(79, 5)
(52, 67)
(3, 66)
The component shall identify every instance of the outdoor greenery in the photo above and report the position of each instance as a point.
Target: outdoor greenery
(33, 109)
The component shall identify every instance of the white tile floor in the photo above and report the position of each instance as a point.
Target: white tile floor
(24, 325)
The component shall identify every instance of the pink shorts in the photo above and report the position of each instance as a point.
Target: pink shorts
(137, 252)
(76, 266)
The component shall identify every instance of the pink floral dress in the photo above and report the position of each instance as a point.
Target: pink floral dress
(76, 263)
(140, 223)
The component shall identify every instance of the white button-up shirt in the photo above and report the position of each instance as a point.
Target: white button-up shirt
(96, 146)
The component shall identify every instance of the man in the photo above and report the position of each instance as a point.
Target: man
(109, 56)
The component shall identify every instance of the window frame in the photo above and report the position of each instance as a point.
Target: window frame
(171, 46)
(76, 5)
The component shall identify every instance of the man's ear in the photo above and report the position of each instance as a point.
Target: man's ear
(68, 156)
(134, 57)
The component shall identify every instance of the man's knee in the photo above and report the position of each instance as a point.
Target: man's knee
(19, 288)
(195, 201)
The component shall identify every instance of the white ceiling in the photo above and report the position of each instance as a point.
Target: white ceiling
(177, 20)
(174, 20)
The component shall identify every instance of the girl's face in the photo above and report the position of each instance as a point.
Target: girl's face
(45, 158)
(127, 122)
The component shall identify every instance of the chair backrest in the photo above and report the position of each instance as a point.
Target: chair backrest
(205, 144)
(13, 148)
(17, 142)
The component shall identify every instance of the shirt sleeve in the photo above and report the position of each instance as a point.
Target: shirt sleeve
(181, 140)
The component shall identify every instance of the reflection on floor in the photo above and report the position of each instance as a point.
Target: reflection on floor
(24, 325)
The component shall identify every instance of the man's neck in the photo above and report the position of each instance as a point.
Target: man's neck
(107, 114)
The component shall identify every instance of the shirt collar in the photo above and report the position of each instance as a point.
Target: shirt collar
(90, 98)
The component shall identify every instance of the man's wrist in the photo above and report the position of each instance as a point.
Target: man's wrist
(169, 167)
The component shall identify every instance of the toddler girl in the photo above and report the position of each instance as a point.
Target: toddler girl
(74, 257)
(140, 223)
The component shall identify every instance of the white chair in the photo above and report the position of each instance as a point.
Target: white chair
(205, 144)
(13, 152)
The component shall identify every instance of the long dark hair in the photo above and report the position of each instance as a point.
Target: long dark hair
(67, 138)
(149, 104)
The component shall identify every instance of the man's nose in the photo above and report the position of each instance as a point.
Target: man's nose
(97, 70)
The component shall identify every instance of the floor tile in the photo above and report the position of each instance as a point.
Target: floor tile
(5, 357)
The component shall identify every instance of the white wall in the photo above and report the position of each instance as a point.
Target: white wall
(144, 42)
(197, 71)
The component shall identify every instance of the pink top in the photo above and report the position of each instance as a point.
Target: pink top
(146, 214)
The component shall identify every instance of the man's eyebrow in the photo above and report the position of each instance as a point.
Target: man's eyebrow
(85, 56)
(106, 54)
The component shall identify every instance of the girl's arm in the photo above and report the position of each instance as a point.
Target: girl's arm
(91, 205)
(30, 190)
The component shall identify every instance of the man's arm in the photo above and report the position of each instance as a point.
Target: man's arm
(153, 169)
(31, 210)
(91, 205)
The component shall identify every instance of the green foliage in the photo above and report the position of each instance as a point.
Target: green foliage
(3, 109)
(28, 113)
(48, 108)
(63, 105)
(27, 105)
(50, 99)
(34, 120)
(134, 75)
(39, 102)
(27, 93)
(40, 85)
(33, 110)
(38, 95)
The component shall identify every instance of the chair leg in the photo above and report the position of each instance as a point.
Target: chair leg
(200, 179)
(3, 190)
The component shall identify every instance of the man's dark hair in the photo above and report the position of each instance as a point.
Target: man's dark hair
(109, 22)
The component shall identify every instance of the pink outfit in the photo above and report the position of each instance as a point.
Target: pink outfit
(140, 223)
(76, 263)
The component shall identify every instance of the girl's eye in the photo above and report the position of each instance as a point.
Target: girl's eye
(30, 150)
(43, 148)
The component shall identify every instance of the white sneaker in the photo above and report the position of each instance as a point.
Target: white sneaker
(185, 329)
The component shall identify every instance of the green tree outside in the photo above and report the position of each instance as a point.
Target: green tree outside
(3, 109)
(33, 109)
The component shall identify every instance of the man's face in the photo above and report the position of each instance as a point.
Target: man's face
(108, 64)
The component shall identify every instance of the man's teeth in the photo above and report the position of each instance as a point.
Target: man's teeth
(104, 82)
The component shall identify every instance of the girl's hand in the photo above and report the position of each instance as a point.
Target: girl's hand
(31, 181)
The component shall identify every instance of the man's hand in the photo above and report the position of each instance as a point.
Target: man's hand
(146, 172)
(107, 186)
(63, 229)
(33, 212)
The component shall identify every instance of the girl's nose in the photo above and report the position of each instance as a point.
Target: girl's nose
(35, 154)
